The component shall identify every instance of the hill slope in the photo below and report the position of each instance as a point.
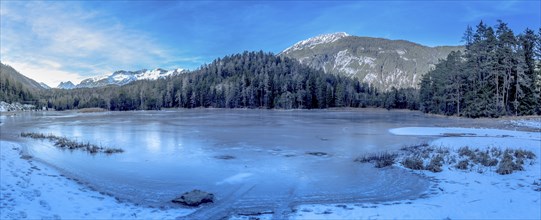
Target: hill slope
(16, 87)
(247, 80)
(382, 63)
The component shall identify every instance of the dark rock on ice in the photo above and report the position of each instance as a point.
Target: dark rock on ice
(194, 198)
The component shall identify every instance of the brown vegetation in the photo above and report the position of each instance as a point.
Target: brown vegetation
(65, 143)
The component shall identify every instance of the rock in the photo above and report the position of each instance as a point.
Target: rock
(318, 154)
(225, 157)
(194, 198)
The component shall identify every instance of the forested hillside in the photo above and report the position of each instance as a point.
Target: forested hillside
(247, 80)
(498, 74)
(14, 87)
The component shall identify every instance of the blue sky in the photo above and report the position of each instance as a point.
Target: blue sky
(55, 41)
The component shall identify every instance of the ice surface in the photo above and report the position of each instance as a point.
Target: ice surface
(171, 152)
(252, 160)
(31, 190)
(484, 195)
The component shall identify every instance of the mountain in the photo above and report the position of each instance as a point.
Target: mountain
(15, 87)
(9, 72)
(247, 80)
(123, 77)
(66, 85)
(381, 63)
(45, 86)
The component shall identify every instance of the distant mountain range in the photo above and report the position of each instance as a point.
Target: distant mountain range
(382, 63)
(121, 78)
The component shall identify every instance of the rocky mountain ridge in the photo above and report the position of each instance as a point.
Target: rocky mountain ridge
(382, 63)
(121, 77)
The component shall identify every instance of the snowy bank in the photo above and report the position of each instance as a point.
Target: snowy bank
(530, 123)
(460, 194)
(6, 107)
(32, 190)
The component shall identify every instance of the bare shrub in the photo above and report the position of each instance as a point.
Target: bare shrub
(507, 166)
(483, 158)
(414, 163)
(463, 165)
(113, 150)
(496, 152)
(465, 151)
(524, 154)
(65, 143)
(435, 164)
(381, 160)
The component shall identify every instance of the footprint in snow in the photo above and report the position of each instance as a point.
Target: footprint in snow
(44, 204)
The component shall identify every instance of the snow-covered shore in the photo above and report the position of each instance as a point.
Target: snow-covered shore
(33, 190)
(462, 194)
(7, 107)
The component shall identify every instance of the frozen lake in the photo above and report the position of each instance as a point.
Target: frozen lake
(171, 152)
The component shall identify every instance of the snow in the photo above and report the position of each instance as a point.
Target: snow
(125, 77)
(30, 189)
(120, 77)
(474, 132)
(237, 178)
(458, 194)
(314, 41)
(370, 78)
(152, 74)
(98, 78)
(530, 123)
(43, 85)
(66, 85)
(344, 60)
(6, 107)
(401, 52)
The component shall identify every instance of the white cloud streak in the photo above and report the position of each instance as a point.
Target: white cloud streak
(58, 41)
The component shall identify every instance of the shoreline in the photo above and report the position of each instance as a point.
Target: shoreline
(477, 193)
(33, 189)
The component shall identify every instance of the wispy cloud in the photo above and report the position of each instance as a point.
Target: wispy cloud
(56, 41)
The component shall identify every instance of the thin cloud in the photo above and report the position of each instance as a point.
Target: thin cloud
(43, 73)
(80, 42)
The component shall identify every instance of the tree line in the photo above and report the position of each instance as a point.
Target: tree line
(497, 74)
(12, 89)
(247, 80)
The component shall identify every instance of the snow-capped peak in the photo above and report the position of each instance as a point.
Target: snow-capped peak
(320, 39)
(152, 74)
(123, 77)
(66, 85)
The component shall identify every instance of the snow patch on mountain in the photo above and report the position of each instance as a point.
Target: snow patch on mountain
(123, 77)
(347, 63)
(45, 86)
(314, 41)
(66, 85)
